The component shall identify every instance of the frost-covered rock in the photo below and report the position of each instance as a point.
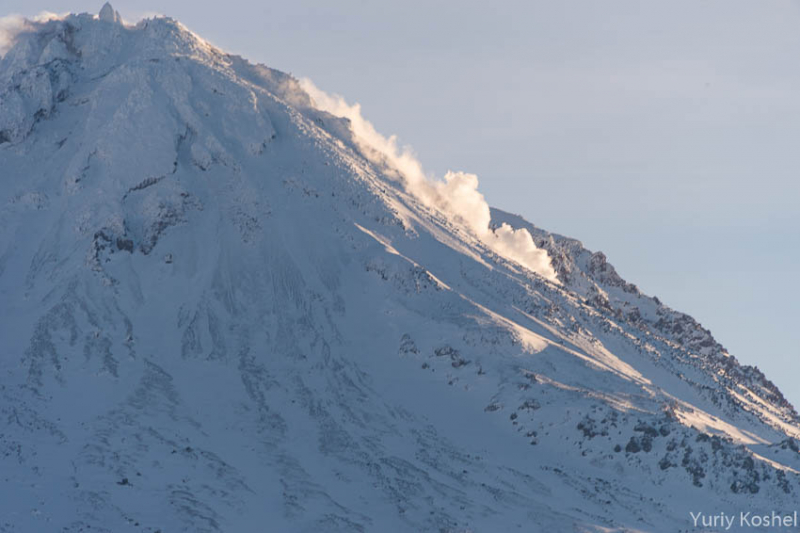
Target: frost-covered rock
(218, 314)
(108, 14)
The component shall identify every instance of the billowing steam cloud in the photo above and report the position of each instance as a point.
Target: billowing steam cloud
(10, 27)
(457, 195)
(13, 25)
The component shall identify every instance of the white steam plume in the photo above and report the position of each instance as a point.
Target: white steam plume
(12, 25)
(457, 195)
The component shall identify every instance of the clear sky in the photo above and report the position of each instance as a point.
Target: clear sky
(666, 134)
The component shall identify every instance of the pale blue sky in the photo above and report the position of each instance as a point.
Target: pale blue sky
(666, 134)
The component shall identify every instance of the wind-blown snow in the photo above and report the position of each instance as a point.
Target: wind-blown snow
(457, 195)
(12, 25)
(218, 314)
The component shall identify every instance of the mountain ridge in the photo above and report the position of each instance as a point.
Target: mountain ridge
(221, 312)
(691, 333)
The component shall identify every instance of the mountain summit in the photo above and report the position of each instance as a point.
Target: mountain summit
(108, 14)
(225, 308)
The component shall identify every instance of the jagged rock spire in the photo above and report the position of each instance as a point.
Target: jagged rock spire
(108, 14)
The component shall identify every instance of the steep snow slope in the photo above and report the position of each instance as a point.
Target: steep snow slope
(217, 313)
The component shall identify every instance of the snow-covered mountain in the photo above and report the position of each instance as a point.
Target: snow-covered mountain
(223, 309)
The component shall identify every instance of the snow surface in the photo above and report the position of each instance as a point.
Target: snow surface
(217, 313)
